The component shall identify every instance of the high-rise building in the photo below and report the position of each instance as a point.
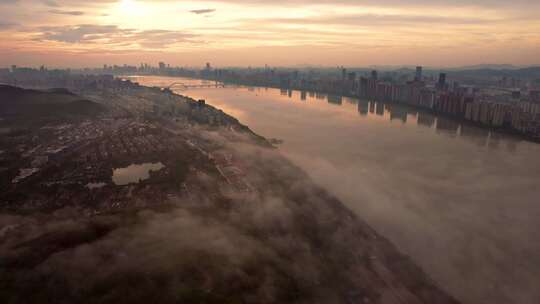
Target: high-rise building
(418, 76)
(374, 74)
(162, 65)
(456, 86)
(363, 88)
(442, 81)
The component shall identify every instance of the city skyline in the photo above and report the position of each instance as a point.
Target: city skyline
(439, 33)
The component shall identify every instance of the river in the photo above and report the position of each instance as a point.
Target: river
(463, 202)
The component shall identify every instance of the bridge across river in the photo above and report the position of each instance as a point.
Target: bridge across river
(186, 86)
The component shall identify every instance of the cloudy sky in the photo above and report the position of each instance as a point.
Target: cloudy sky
(79, 33)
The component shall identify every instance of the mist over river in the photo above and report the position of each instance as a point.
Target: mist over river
(462, 201)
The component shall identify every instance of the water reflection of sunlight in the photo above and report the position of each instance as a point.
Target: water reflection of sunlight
(230, 110)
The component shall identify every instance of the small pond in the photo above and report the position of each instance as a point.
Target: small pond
(134, 173)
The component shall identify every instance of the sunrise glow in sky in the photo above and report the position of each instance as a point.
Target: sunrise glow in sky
(256, 32)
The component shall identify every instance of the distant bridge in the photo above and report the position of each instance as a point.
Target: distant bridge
(184, 86)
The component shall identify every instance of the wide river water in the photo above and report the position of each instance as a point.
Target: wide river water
(463, 202)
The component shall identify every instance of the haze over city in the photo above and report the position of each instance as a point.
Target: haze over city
(75, 33)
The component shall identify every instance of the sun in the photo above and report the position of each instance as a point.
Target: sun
(130, 7)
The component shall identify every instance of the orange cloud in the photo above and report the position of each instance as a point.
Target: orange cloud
(240, 32)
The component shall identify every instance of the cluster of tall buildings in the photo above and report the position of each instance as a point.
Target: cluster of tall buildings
(465, 102)
(507, 108)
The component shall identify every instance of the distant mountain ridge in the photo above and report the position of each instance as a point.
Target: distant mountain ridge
(482, 70)
(529, 73)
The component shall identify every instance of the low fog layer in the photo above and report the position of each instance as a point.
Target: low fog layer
(466, 211)
(290, 242)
